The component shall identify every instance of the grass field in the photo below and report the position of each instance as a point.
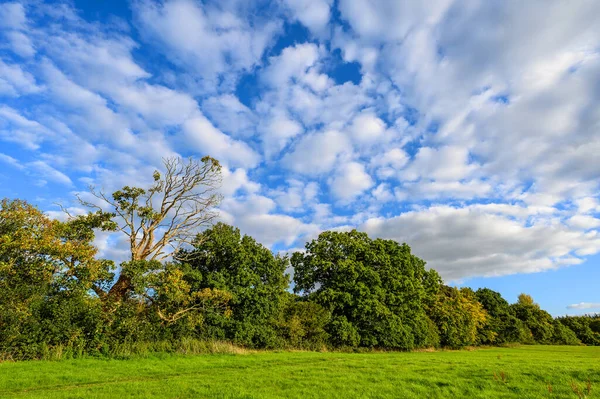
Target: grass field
(523, 372)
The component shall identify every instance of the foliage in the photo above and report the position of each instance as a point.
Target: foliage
(302, 324)
(160, 219)
(586, 328)
(373, 288)
(563, 335)
(536, 320)
(47, 268)
(223, 259)
(57, 298)
(502, 326)
(458, 316)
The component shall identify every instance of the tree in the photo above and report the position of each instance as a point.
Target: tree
(46, 266)
(160, 220)
(302, 323)
(374, 289)
(538, 321)
(223, 259)
(586, 327)
(458, 316)
(502, 326)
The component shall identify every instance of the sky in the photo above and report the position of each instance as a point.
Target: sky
(468, 129)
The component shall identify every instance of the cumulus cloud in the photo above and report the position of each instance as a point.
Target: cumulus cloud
(350, 181)
(296, 195)
(230, 115)
(584, 222)
(277, 132)
(584, 305)
(291, 64)
(318, 152)
(367, 128)
(314, 14)
(446, 163)
(211, 39)
(254, 216)
(467, 242)
(431, 124)
(204, 138)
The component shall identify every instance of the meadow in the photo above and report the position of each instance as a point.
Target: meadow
(519, 372)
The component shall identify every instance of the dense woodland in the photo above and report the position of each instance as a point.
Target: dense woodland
(191, 278)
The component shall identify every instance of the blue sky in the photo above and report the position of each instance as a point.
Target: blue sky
(468, 129)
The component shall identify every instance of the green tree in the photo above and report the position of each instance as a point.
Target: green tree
(47, 269)
(373, 288)
(159, 220)
(586, 328)
(302, 323)
(458, 316)
(538, 321)
(223, 259)
(502, 326)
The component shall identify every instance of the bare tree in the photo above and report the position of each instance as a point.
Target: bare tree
(159, 220)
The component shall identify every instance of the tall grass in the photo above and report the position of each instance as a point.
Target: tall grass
(126, 350)
(187, 346)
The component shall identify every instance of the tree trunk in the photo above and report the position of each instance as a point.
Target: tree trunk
(120, 289)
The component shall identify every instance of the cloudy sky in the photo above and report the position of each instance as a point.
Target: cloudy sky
(468, 129)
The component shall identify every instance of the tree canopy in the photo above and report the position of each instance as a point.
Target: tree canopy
(189, 278)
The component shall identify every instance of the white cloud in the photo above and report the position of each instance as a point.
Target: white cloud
(314, 14)
(584, 305)
(390, 162)
(237, 180)
(94, 59)
(13, 28)
(89, 110)
(157, 104)
(205, 139)
(350, 181)
(367, 128)
(16, 128)
(47, 172)
(12, 15)
(506, 125)
(212, 40)
(466, 242)
(253, 215)
(293, 63)
(380, 20)
(14, 81)
(7, 159)
(471, 189)
(277, 133)
(318, 152)
(296, 196)
(382, 193)
(446, 163)
(587, 204)
(584, 222)
(230, 115)
(20, 43)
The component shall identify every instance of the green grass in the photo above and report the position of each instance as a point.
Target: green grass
(523, 372)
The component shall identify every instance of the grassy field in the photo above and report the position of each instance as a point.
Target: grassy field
(523, 372)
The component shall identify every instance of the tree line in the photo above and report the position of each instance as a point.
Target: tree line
(189, 278)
